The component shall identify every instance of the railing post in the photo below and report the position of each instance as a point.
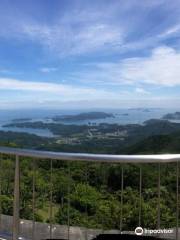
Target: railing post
(33, 200)
(177, 201)
(51, 198)
(16, 203)
(68, 212)
(122, 189)
(104, 182)
(140, 194)
(86, 182)
(159, 195)
(0, 191)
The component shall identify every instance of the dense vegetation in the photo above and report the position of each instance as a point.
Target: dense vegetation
(94, 191)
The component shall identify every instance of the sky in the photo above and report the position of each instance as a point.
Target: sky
(89, 54)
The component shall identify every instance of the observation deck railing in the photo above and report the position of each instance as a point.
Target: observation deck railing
(119, 160)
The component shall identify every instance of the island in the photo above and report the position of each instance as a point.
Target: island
(146, 110)
(83, 116)
(21, 119)
(122, 114)
(172, 116)
(125, 114)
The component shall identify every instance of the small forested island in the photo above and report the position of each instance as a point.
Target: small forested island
(155, 121)
(122, 114)
(172, 116)
(83, 116)
(21, 119)
(146, 110)
(143, 109)
(125, 114)
(135, 109)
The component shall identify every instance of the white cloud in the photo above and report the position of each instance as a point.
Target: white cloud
(67, 40)
(173, 30)
(161, 68)
(48, 69)
(141, 90)
(53, 90)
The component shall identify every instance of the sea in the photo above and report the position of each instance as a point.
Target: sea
(121, 116)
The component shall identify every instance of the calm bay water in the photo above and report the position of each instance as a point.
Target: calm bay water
(122, 116)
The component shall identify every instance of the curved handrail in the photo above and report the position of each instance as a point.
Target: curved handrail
(153, 158)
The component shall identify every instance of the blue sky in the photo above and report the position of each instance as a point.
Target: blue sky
(81, 54)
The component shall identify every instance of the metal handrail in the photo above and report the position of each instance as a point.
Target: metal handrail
(87, 157)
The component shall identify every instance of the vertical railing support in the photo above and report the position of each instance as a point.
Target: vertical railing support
(33, 200)
(140, 194)
(177, 201)
(159, 195)
(122, 189)
(68, 212)
(0, 190)
(86, 210)
(51, 198)
(103, 176)
(16, 204)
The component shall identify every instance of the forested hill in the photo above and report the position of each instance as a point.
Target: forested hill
(156, 144)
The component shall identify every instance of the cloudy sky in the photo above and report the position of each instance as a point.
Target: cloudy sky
(87, 53)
